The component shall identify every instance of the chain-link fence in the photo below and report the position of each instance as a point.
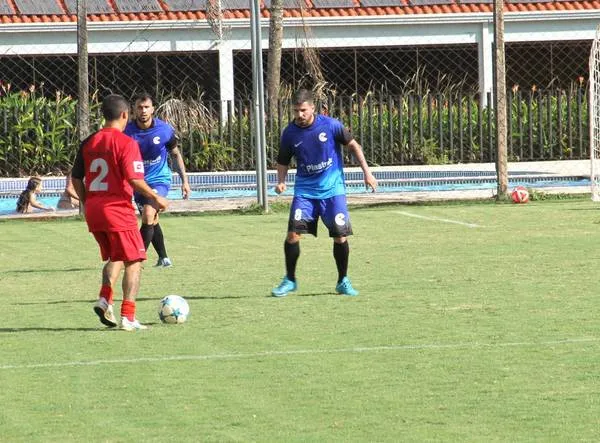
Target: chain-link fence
(424, 101)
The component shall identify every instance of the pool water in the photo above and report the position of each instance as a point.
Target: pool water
(8, 202)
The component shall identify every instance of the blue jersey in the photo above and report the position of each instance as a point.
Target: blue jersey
(155, 144)
(318, 152)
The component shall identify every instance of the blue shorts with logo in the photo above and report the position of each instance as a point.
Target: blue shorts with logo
(305, 214)
(161, 189)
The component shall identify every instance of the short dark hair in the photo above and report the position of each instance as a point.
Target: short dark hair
(112, 107)
(302, 96)
(143, 96)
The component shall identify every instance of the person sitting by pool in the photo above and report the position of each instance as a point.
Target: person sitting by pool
(27, 200)
(68, 199)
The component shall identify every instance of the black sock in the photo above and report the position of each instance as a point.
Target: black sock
(158, 241)
(147, 232)
(341, 253)
(292, 252)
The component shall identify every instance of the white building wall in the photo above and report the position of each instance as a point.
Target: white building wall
(372, 31)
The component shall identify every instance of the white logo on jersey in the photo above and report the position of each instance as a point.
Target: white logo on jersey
(138, 167)
(323, 137)
(340, 219)
(298, 215)
(319, 166)
(154, 161)
(297, 144)
(156, 140)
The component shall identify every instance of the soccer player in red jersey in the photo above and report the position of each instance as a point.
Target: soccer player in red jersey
(107, 169)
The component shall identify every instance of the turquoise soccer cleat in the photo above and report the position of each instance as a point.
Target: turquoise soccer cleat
(286, 286)
(345, 288)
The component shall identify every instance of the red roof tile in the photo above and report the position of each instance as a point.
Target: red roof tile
(404, 8)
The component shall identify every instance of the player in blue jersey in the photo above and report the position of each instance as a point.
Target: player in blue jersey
(157, 140)
(319, 190)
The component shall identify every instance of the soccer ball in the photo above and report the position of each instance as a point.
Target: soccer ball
(173, 309)
(520, 195)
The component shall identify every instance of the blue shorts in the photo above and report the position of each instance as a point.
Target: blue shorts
(305, 213)
(161, 189)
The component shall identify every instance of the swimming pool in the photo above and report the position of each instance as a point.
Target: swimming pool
(240, 185)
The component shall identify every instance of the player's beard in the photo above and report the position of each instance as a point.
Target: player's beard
(143, 120)
(305, 122)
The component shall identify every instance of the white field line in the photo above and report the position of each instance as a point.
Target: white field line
(439, 219)
(262, 354)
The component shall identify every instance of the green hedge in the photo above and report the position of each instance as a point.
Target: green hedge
(40, 136)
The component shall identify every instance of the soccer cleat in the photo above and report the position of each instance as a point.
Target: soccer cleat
(284, 288)
(105, 312)
(345, 288)
(134, 325)
(163, 262)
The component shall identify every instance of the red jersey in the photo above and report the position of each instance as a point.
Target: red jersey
(108, 159)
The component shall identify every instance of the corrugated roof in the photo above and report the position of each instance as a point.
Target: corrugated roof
(405, 7)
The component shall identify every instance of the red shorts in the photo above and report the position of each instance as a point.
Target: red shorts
(121, 245)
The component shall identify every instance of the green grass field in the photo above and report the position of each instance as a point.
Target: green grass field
(475, 323)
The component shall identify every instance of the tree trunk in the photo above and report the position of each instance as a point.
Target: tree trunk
(83, 110)
(500, 100)
(274, 57)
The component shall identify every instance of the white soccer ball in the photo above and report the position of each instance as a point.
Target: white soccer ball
(173, 309)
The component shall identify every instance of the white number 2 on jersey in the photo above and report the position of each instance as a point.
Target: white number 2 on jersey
(100, 167)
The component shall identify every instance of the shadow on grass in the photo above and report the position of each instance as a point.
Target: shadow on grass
(63, 329)
(57, 329)
(309, 294)
(197, 297)
(29, 271)
(54, 302)
(118, 300)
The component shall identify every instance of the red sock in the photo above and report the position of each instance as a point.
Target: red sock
(107, 293)
(128, 310)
